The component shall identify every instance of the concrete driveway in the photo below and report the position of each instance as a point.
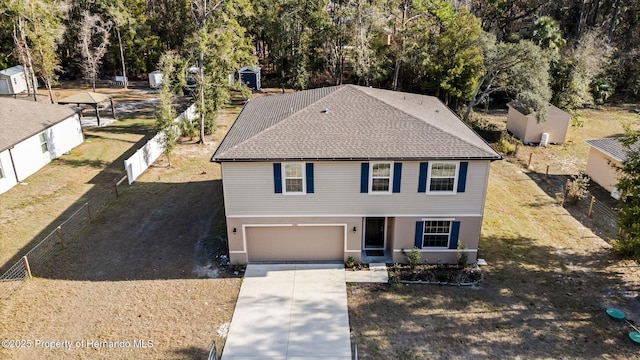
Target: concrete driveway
(290, 311)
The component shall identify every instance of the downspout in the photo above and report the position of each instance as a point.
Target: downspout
(13, 165)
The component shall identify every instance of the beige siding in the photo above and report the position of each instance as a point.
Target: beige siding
(404, 239)
(237, 240)
(517, 123)
(299, 243)
(282, 234)
(529, 130)
(600, 169)
(249, 191)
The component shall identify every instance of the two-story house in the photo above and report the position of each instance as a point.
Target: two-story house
(324, 174)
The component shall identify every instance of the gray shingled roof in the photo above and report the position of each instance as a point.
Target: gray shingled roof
(613, 148)
(21, 119)
(349, 122)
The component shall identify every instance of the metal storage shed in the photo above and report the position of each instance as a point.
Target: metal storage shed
(155, 79)
(250, 77)
(526, 128)
(14, 81)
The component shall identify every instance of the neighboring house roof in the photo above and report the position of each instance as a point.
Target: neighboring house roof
(12, 70)
(518, 107)
(613, 148)
(85, 98)
(349, 122)
(21, 119)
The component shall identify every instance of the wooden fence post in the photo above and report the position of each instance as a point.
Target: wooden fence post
(60, 236)
(530, 157)
(86, 205)
(27, 269)
(546, 175)
(593, 200)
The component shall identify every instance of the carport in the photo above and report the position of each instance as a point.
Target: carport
(90, 98)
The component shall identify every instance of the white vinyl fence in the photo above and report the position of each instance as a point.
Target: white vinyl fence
(151, 151)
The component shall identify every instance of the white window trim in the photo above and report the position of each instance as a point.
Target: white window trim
(423, 233)
(378, 192)
(284, 179)
(455, 179)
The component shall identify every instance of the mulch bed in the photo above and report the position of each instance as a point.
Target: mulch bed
(357, 267)
(435, 274)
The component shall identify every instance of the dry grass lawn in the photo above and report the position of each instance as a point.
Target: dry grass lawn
(138, 271)
(547, 285)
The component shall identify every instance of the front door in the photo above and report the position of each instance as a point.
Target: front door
(374, 232)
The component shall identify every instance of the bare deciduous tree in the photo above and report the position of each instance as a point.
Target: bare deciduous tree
(93, 41)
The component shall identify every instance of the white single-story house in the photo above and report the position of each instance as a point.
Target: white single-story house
(352, 171)
(31, 135)
(526, 127)
(604, 156)
(14, 81)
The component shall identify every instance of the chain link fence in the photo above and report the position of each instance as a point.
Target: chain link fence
(35, 260)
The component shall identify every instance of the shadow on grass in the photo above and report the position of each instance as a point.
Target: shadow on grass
(600, 223)
(536, 302)
(130, 229)
(191, 353)
(152, 231)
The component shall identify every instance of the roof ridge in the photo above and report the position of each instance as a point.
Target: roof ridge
(338, 88)
(359, 88)
(288, 117)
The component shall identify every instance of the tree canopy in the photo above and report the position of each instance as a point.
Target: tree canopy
(436, 47)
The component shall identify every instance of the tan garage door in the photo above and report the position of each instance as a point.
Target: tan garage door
(295, 243)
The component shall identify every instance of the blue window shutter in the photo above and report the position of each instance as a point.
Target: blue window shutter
(455, 232)
(364, 177)
(309, 178)
(397, 176)
(277, 177)
(419, 233)
(422, 180)
(462, 176)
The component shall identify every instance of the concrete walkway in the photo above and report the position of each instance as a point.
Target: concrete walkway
(292, 312)
(377, 274)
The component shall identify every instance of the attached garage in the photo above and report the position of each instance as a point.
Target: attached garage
(295, 243)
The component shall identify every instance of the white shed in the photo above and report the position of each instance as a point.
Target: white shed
(526, 128)
(155, 79)
(14, 81)
(31, 135)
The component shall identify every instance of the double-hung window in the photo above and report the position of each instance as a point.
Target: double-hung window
(294, 178)
(43, 143)
(436, 233)
(380, 177)
(443, 177)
